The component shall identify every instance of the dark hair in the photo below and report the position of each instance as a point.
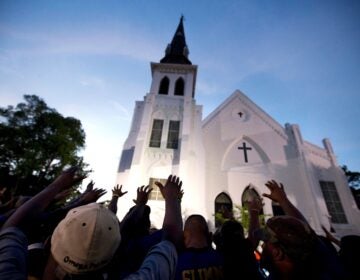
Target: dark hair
(229, 232)
(239, 257)
(137, 225)
(199, 220)
(198, 223)
(349, 254)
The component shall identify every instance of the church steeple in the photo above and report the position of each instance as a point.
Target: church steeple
(177, 51)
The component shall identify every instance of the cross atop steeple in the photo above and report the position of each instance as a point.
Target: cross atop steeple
(177, 51)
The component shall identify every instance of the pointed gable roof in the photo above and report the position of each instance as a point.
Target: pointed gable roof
(253, 108)
(177, 51)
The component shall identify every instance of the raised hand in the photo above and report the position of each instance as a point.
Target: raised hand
(68, 178)
(92, 196)
(90, 186)
(142, 195)
(277, 192)
(172, 224)
(181, 194)
(117, 191)
(254, 206)
(30, 210)
(172, 188)
(62, 195)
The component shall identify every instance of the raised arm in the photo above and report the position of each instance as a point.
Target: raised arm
(278, 195)
(88, 196)
(33, 207)
(116, 193)
(172, 224)
(136, 212)
(161, 260)
(331, 237)
(254, 207)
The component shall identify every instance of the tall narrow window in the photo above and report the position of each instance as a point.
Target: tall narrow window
(155, 139)
(164, 86)
(179, 87)
(173, 135)
(223, 206)
(155, 193)
(248, 195)
(333, 202)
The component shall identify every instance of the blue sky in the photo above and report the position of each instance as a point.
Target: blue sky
(298, 60)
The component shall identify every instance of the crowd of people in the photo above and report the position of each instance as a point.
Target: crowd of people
(83, 239)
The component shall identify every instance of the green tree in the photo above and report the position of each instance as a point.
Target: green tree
(36, 144)
(241, 214)
(353, 179)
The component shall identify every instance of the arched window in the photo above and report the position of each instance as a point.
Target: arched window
(223, 205)
(179, 87)
(250, 194)
(164, 86)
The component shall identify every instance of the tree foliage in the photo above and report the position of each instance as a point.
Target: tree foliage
(36, 144)
(353, 177)
(240, 214)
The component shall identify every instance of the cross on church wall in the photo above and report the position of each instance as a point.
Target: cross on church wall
(245, 150)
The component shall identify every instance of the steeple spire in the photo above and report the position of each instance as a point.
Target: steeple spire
(177, 51)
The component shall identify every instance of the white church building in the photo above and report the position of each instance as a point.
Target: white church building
(228, 156)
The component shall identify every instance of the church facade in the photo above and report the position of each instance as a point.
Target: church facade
(226, 158)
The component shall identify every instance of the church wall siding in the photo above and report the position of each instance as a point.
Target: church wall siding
(223, 133)
(236, 145)
(336, 175)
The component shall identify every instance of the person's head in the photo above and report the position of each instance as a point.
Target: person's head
(230, 233)
(288, 244)
(235, 249)
(85, 240)
(350, 245)
(349, 252)
(196, 232)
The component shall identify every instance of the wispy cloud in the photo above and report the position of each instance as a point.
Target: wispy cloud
(7, 97)
(124, 112)
(99, 42)
(8, 65)
(206, 88)
(92, 82)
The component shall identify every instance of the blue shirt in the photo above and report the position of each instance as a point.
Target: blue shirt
(199, 264)
(13, 254)
(160, 263)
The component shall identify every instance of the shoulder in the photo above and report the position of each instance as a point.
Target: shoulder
(198, 258)
(160, 263)
(164, 249)
(12, 235)
(13, 253)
